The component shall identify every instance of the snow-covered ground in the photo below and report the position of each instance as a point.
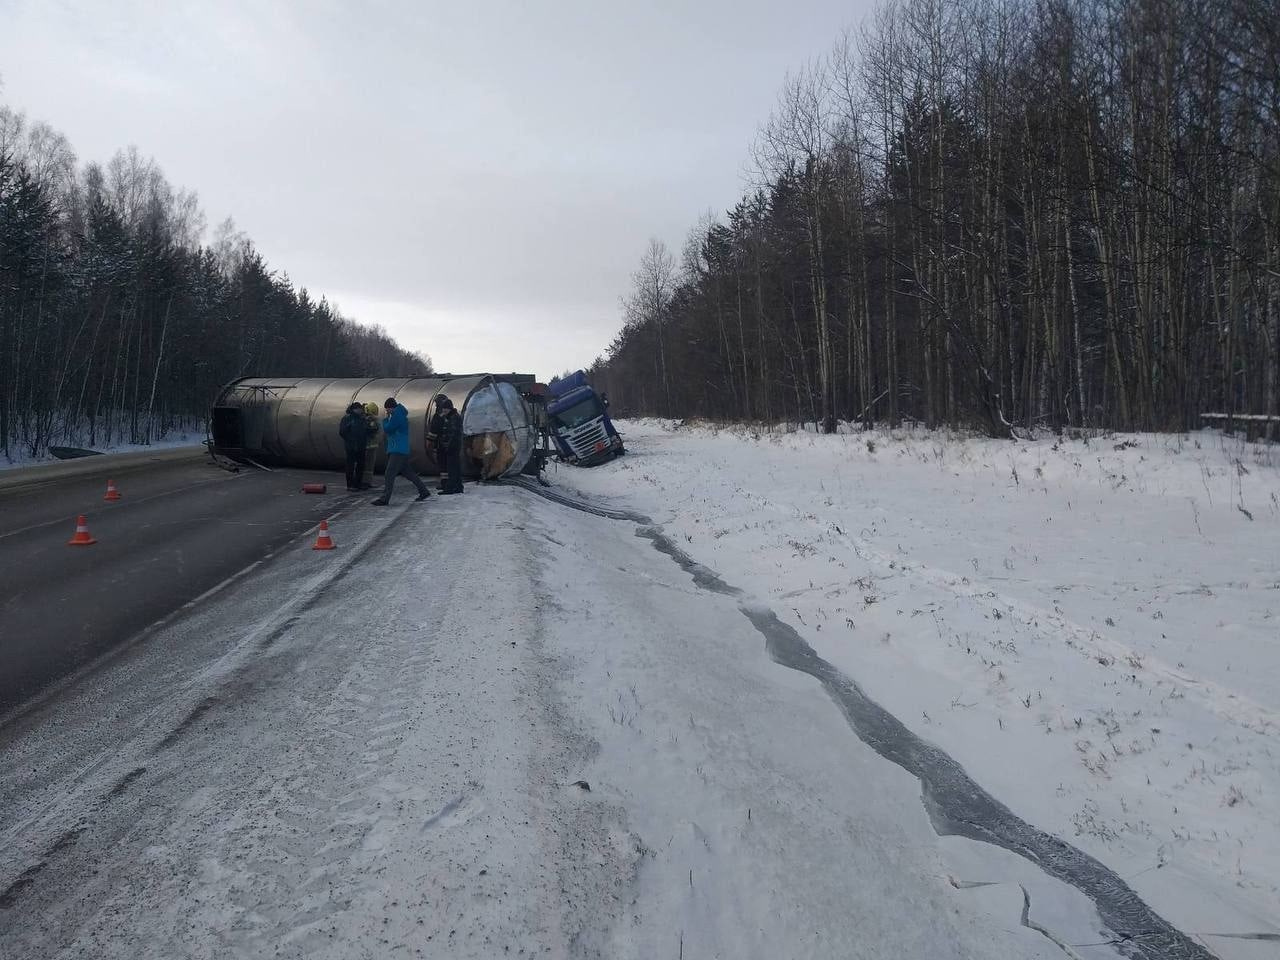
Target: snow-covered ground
(1092, 628)
(20, 456)
(485, 726)
(493, 725)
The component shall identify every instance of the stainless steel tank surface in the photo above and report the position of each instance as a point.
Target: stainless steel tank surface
(294, 421)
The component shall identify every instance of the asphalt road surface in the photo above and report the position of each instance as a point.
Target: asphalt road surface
(485, 727)
(183, 527)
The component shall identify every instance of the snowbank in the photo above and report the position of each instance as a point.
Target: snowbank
(18, 457)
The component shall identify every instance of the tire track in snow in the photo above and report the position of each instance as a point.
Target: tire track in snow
(955, 803)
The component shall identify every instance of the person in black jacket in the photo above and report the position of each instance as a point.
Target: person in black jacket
(444, 439)
(354, 430)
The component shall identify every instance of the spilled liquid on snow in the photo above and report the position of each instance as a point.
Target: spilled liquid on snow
(956, 805)
(555, 496)
(704, 577)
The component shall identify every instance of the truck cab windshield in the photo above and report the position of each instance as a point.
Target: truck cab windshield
(580, 413)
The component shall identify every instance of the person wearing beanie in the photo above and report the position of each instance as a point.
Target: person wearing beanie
(395, 426)
(444, 440)
(354, 430)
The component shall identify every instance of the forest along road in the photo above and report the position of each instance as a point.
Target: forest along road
(183, 526)
(485, 726)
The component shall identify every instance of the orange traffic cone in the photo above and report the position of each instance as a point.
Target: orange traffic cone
(112, 492)
(82, 537)
(323, 542)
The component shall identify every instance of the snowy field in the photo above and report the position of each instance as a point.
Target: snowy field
(1092, 628)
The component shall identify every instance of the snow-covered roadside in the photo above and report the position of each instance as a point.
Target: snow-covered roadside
(19, 457)
(1093, 630)
(765, 828)
(377, 751)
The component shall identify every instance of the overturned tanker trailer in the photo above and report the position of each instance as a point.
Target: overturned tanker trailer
(288, 421)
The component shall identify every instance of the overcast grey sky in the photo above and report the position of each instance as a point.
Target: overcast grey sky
(478, 177)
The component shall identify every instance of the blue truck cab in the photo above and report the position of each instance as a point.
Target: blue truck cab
(579, 424)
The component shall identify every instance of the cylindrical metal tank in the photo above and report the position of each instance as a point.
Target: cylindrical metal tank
(294, 421)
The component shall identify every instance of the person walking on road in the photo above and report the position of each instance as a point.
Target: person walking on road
(444, 439)
(355, 431)
(371, 446)
(395, 426)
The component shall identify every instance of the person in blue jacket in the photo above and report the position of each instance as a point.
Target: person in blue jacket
(395, 427)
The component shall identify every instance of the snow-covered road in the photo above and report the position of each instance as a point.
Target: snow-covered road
(488, 726)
